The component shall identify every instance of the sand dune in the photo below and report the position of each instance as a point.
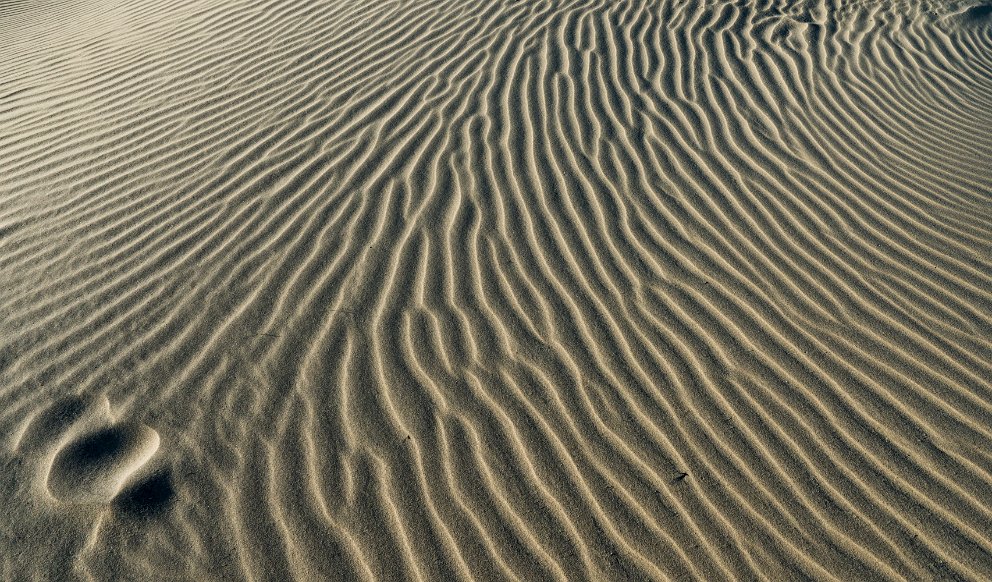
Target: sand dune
(532, 290)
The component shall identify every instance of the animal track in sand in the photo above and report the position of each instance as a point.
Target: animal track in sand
(95, 467)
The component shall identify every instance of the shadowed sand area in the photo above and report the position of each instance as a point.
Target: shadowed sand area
(496, 290)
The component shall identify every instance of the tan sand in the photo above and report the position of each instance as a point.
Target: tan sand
(526, 290)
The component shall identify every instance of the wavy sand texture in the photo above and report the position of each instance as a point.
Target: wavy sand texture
(464, 289)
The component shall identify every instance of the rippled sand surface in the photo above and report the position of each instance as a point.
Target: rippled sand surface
(496, 290)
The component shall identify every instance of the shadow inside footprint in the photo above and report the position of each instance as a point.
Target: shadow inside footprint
(977, 14)
(99, 447)
(147, 498)
(92, 469)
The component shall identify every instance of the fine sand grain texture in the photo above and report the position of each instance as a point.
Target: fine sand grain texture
(497, 290)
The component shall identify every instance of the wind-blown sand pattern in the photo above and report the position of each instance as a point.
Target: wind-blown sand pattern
(532, 290)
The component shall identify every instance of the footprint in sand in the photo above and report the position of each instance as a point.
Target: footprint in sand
(147, 497)
(95, 467)
(980, 12)
(85, 456)
(977, 15)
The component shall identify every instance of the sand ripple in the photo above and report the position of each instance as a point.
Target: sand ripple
(572, 289)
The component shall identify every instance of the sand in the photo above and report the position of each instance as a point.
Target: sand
(506, 290)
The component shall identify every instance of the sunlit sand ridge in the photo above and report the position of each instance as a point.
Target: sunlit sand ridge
(530, 290)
